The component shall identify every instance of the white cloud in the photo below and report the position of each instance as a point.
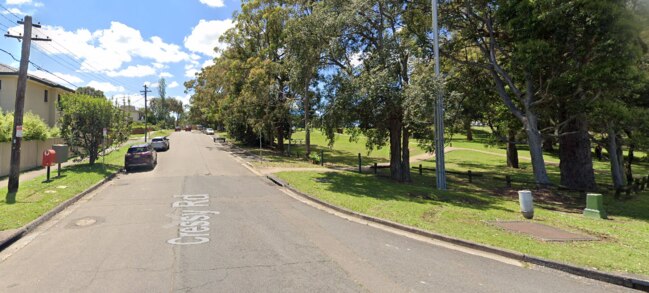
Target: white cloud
(106, 87)
(14, 10)
(166, 75)
(133, 71)
(18, 2)
(173, 84)
(58, 77)
(205, 36)
(356, 59)
(207, 63)
(108, 49)
(191, 72)
(213, 3)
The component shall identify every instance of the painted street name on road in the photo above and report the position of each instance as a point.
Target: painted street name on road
(194, 223)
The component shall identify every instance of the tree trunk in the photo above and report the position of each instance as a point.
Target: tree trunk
(280, 139)
(307, 111)
(534, 141)
(405, 157)
(616, 171)
(576, 162)
(629, 161)
(548, 144)
(534, 138)
(512, 150)
(469, 131)
(395, 149)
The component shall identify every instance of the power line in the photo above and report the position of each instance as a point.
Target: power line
(43, 69)
(5, 8)
(38, 67)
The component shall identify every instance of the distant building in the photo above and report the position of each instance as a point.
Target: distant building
(41, 97)
(135, 115)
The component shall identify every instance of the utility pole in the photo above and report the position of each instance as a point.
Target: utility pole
(146, 128)
(17, 134)
(440, 168)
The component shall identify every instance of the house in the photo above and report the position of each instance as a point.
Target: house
(132, 112)
(41, 97)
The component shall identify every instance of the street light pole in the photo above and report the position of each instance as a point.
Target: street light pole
(440, 169)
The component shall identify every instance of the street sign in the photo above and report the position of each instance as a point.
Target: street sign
(19, 131)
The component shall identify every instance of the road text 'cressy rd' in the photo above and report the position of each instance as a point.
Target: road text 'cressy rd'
(194, 226)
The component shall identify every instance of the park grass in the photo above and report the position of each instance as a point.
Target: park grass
(466, 208)
(464, 212)
(343, 153)
(36, 196)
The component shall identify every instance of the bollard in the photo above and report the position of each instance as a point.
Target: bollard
(508, 180)
(595, 206)
(359, 163)
(527, 204)
(376, 168)
(421, 170)
(470, 179)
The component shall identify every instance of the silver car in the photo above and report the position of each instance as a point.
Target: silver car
(160, 143)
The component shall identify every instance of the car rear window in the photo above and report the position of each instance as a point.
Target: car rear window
(137, 150)
(157, 139)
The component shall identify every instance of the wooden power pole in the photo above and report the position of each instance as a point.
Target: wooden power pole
(146, 130)
(14, 171)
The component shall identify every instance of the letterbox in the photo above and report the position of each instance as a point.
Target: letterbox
(62, 152)
(49, 157)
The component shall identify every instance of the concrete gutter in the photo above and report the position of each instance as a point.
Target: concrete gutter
(19, 233)
(630, 282)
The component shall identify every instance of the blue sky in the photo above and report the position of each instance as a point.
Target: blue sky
(117, 46)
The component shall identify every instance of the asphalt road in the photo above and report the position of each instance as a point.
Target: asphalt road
(202, 222)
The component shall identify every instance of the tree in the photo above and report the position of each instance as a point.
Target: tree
(90, 91)
(161, 113)
(83, 119)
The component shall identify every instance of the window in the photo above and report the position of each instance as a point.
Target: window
(0, 84)
(58, 101)
(45, 99)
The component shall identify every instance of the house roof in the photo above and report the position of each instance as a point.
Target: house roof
(8, 70)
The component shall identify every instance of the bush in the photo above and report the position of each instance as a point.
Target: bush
(34, 128)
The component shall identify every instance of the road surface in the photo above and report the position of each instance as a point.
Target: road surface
(202, 222)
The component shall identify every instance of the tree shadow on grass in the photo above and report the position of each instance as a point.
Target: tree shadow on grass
(420, 191)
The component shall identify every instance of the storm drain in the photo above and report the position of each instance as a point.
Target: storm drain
(84, 222)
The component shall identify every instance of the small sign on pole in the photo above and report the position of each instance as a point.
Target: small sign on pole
(19, 131)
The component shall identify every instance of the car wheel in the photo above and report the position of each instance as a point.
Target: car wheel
(127, 169)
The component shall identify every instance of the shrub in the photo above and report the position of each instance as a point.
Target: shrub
(34, 128)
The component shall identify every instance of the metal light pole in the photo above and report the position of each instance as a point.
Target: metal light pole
(440, 169)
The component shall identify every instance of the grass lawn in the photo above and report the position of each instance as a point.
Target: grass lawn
(36, 197)
(164, 132)
(462, 212)
(343, 153)
(465, 210)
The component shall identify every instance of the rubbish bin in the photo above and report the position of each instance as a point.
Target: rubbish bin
(527, 204)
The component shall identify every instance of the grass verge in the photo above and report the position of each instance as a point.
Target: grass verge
(464, 212)
(36, 197)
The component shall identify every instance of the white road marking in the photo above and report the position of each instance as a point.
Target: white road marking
(194, 225)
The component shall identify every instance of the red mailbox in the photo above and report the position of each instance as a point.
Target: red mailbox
(49, 158)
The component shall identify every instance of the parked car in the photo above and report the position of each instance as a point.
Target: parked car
(209, 131)
(160, 143)
(142, 155)
(188, 128)
(177, 128)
